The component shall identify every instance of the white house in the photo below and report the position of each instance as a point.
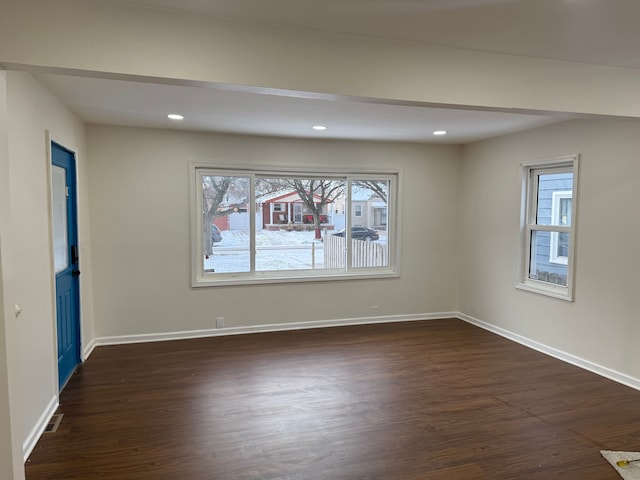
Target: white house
(368, 209)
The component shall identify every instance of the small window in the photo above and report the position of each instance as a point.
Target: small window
(358, 210)
(548, 226)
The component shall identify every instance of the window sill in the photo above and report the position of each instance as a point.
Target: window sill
(546, 289)
(270, 278)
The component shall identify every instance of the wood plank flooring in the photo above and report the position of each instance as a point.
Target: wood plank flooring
(432, 400)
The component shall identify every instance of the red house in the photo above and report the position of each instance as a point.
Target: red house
(288, 209)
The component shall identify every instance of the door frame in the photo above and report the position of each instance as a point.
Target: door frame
(50, 139)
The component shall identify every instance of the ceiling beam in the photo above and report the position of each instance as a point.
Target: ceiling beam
(110, 39)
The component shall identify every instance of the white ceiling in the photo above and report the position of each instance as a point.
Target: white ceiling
(601, 32)
(137, 104)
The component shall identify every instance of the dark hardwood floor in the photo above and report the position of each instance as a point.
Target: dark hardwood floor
(434, 400)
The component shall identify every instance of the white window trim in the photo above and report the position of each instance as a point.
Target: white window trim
(555, 220)
(199, 278)
(357, 210)
(528, 224)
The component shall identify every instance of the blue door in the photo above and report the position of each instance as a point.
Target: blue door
(65, 248)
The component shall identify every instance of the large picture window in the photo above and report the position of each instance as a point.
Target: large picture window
(251, 226)
(548, 227)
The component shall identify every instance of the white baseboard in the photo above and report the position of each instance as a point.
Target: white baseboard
(34, 435)
(609, 373)
(88, 349)
(275, 327)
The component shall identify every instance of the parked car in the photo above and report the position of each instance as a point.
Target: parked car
(360, 233)
(216, 235)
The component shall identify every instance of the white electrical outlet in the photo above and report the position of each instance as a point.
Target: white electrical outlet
(219, 322)
(374, 310)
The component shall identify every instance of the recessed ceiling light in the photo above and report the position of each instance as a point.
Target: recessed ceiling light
(440, 132)
(319, 127)
(175, 116)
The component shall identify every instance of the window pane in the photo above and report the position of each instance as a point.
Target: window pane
(293, 216)
(562, 249)
(544, 267)
(554, 199)
(225, 224)
(59, 195)
(369, 226)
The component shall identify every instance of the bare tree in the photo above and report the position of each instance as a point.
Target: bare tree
(315, 194)
(220, 196)
(378, 187)
(266, 186)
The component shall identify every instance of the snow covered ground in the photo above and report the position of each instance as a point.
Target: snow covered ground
(276, 250)
(233, 238)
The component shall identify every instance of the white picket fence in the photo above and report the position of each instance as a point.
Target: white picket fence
(363, 254)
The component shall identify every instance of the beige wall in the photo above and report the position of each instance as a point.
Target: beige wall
(139, 194)
(32, 111)
(10, 443)
(601, 326)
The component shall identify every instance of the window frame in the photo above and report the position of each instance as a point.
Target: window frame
(200, 278)
(531, 171)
